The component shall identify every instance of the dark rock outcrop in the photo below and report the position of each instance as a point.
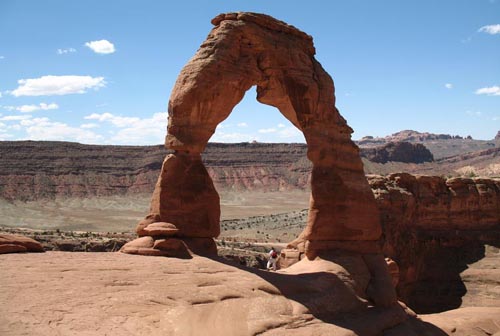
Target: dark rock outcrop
(398, 152)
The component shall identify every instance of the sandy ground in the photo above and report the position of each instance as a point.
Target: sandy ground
(121, 213)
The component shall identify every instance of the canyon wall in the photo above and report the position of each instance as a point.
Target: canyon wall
(433, 228)
(31, 170)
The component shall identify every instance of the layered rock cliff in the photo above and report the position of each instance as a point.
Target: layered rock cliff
(433, 228)
(31, 170)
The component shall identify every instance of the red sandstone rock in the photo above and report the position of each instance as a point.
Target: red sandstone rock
(13, 243)
(174, 247)
(434, 228)
(246, 49)
(432, 202)
(160, 229)
(393, 268)
(201, 246)
(151, 218)
(12, 248)
(185, 196)
(136, 244)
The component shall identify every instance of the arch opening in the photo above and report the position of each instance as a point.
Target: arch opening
(263, 186)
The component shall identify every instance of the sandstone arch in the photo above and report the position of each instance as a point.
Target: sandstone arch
(242, 50)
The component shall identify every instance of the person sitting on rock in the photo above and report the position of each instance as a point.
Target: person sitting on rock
(273, 258)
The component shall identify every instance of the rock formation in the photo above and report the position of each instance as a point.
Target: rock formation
(433, 228)
(10, 243)
(398, 152)
(243, 50)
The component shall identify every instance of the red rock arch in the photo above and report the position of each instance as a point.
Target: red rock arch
(242, 50)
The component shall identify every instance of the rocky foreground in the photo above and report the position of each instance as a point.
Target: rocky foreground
(112, 293)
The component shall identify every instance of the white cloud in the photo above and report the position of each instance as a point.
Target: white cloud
(281, 126)
(489, 91)
(5, 136)
(66, 51)
(291, 132)
(32, 108)
(242, 124)
(57, 85)
(118, 121)
(448, 86)
(2, 57)
(101, 46)
(220, 136)
(15, 117)
(267, 130)
(491, 29)
(89, 126)
(143, 131)
(473, 113)
(44, 129)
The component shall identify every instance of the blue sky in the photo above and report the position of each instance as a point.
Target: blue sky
(102, 71)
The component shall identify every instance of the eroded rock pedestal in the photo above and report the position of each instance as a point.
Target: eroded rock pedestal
(184, 213)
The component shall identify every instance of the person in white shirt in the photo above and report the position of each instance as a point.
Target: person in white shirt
(273, 258)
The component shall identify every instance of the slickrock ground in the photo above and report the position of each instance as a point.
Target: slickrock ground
(60, 293)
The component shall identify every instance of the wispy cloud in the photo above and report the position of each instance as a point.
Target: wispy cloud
(32, 108)
(473, 113)
(242, 124)
(101, 46)
(448, 86)
(117, 121)
(45, 129)
(221, 136)
(491, 29)
(87, 126)
(489, 91)
(145, 131)
(15, 117)
(267, 130)
(57, 85)
(66, 51)
(132, 130)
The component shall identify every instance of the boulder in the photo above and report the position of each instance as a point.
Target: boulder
(160, 229)
(10, 243)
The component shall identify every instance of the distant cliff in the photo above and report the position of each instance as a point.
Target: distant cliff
(31, 170)
(398, 152)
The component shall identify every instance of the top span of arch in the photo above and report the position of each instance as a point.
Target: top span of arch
(268, 22)
(243, 50)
